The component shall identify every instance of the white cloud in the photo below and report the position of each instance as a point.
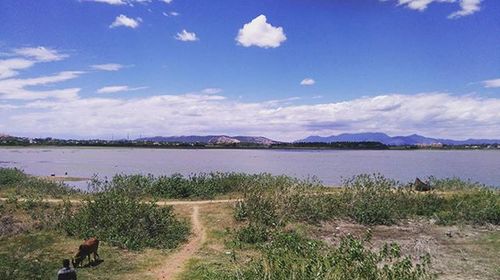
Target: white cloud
(111, 2)
(166, 1)
(261, 34)
(169, 14)
(107, 67)
(467, 7)
(9, 67)
(211, 90)
(433, 114)
(40, 54)
(307, 82)
(186, 36)
(115, 89)
(125, 21)
(17, 88)
(495, 83)
(120, 2)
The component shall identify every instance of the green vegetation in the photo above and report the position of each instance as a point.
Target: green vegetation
(268, 223)
(194, 186)
(291, 256)
(177, 186)
(15, 182)
(122, 220)
(38, 255)
(268, 210)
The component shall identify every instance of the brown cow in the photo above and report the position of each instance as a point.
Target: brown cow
(88, 247)
(421, 186)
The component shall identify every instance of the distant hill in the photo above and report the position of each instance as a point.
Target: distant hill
(211, 139)
(413, 139)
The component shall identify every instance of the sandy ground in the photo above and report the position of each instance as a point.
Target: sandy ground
(457, 252)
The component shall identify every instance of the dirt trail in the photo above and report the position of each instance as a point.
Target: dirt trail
(174, 263)
(160, 203)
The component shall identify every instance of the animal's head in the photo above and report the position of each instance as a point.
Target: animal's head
(78, 257)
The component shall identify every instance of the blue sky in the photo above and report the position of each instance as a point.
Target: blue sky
(282, 69)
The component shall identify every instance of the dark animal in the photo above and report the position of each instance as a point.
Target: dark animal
(421, 186)
(88, 247)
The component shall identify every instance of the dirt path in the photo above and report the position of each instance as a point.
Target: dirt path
(160, 203)
(174, 263)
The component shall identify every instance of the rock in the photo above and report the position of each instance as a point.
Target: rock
(420, 186)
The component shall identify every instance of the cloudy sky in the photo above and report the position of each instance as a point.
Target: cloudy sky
(275, 68)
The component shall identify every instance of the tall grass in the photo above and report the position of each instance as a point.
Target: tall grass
(365, 199)
(178, 186)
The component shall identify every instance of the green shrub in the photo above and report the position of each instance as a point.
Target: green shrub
(124, 221)
(454, 184)
(23, 185)
(10, 177)
(177, 186)
(373, 199)
(477, 206)
(291, 256)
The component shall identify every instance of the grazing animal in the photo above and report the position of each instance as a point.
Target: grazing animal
(88, 247)
(421, 186)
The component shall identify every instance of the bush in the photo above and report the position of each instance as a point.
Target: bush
(291, 256)
(373, 199)
(270, 202)
(177, 186)
(478, 206)
(24, 185)
(9, 177)
(454, 184)
(124, 221)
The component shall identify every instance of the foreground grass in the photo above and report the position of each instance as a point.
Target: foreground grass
(38, 256)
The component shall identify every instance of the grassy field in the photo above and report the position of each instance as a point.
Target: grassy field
(282, 228)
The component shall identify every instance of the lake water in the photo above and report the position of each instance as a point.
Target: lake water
(329, 166)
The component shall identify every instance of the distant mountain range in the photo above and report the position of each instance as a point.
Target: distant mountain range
(211, 139)
(413, 139)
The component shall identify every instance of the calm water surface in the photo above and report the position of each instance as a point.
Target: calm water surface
(329, 166)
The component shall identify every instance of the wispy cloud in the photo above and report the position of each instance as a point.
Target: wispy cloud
(9, 67)
(186, 36)
(170, 14)
(13, 88)
(123, 20)
(211, 90)
(40, 54)
(467, 7)
(110, 2)
(115, 89)
(261, 34)
(19, 88)
(495, 83)
(107, 67)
